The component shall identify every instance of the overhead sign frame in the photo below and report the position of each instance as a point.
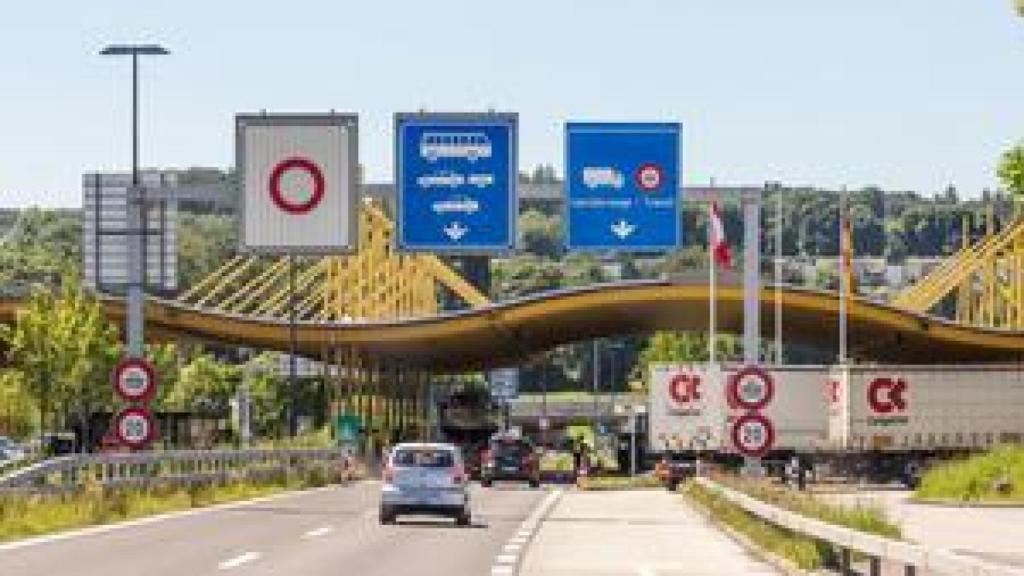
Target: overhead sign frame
(321, 183)
(468, 192)
(612, 194)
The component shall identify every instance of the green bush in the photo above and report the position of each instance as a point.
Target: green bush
(619, 482)
(804, 551)
(996, 476)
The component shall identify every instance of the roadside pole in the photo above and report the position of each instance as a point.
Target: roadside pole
(752, 296)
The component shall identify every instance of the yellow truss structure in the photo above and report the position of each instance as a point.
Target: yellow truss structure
(374, 283)
(986, 279)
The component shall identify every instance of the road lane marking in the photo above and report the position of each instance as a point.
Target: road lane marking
(322, 531)
(507, 558)
(239, 560)
(512, 548)
(502, 570)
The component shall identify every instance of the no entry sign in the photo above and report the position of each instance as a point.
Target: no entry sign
(753, 435)
(135, 380)
(751, 388)
(299, 176)
(135, 427)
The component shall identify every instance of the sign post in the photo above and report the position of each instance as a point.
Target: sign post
(456, 177)
(622, 186)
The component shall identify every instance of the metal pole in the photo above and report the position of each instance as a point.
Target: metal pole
(292, 345)
(844, 287)
(632, 441)
(778, 274)
(751, 278)
(136, 224)
(595, 352)
(712, 297)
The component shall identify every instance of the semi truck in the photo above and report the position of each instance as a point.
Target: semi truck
(878, 422)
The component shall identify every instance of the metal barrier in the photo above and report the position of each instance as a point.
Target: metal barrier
(876, 548)
(68, 473)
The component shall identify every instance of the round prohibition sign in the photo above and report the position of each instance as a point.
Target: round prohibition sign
(135, 427)
(282, 200)
(753, 435)
(135, 380)
(649, 177)
(752, 388)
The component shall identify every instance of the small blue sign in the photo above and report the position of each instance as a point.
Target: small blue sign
(622, 186)
(456, 176)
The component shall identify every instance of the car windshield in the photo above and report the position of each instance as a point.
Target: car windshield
(510, 448)
(424, 458)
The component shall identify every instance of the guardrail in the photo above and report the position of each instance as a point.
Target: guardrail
(68, 473)
(876, 548)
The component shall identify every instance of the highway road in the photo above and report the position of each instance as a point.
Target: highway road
(329, 531)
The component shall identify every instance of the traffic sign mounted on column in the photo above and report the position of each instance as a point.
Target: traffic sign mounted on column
(622, 186)
(299, 177)
(456, 179)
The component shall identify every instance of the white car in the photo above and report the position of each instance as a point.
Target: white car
(443, 179)
(469, 145)
(603, 177)
(425, 478)
(480, 180)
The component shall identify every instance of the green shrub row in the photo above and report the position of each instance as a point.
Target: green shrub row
(26, 515)
(996, 476)
(865, 518)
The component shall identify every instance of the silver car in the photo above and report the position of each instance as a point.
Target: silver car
(425, 478)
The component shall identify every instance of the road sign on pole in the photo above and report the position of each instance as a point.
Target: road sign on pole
(299, 182)
(135, 380)
(753, 435)
(456, 178)
(622, 186)
(751, 388)
(135, 427)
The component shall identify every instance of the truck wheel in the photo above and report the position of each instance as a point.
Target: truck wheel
(534, 483)
(464, 518)
(486, 482)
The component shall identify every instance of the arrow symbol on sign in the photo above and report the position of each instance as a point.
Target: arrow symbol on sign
(622, 229)
(455, 231)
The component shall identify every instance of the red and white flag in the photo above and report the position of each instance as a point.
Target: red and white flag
(716, 238)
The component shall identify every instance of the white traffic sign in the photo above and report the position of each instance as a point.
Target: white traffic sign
(753, 435)
(299, 182)
(135, 380)
(751, 388)
(135, 427)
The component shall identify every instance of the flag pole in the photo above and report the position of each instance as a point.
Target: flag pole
(844, 280)
(713, 293)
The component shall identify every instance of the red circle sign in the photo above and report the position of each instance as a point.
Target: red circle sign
(278, 196)
(649, 177)
(753, 435)
(135, 427)
(684, 388)
(135, 380)
(751, 388)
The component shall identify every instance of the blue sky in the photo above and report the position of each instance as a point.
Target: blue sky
(908, 94)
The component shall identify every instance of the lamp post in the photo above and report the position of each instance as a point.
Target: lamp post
(136, 207)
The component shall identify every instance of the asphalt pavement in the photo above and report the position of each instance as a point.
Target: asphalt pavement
(328, 531)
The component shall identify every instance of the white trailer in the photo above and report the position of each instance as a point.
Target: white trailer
(691, 408)
(906, 408)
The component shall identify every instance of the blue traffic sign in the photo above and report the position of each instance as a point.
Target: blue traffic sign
(622, 186)
(456, 178)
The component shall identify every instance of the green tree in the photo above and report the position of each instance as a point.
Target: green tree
(685, 347)
(1011, 171)
(205, 386)
(17, 407)
(65, 349)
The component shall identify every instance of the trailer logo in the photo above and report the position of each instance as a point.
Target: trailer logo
(887, 396)
(684, 389)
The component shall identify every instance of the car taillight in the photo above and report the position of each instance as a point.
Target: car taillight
(389, 474)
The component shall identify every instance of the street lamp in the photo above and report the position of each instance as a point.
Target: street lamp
(136, 206)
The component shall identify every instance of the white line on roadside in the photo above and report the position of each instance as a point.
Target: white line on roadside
(96, 530)
(322, 531)
(507, 558)
(645, 571)
(512, 548)
(239, 560)
(525, 533)
(501, 570)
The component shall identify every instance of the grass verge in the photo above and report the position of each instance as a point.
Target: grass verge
(24, 515)
(993, 477)
(618, 482)
(803, 551)
(870, 519)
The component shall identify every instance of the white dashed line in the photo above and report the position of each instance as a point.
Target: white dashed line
(318, 532)
(512, 548)
(507, 562)
(239, 560)
(507, 558)
(502, 570)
